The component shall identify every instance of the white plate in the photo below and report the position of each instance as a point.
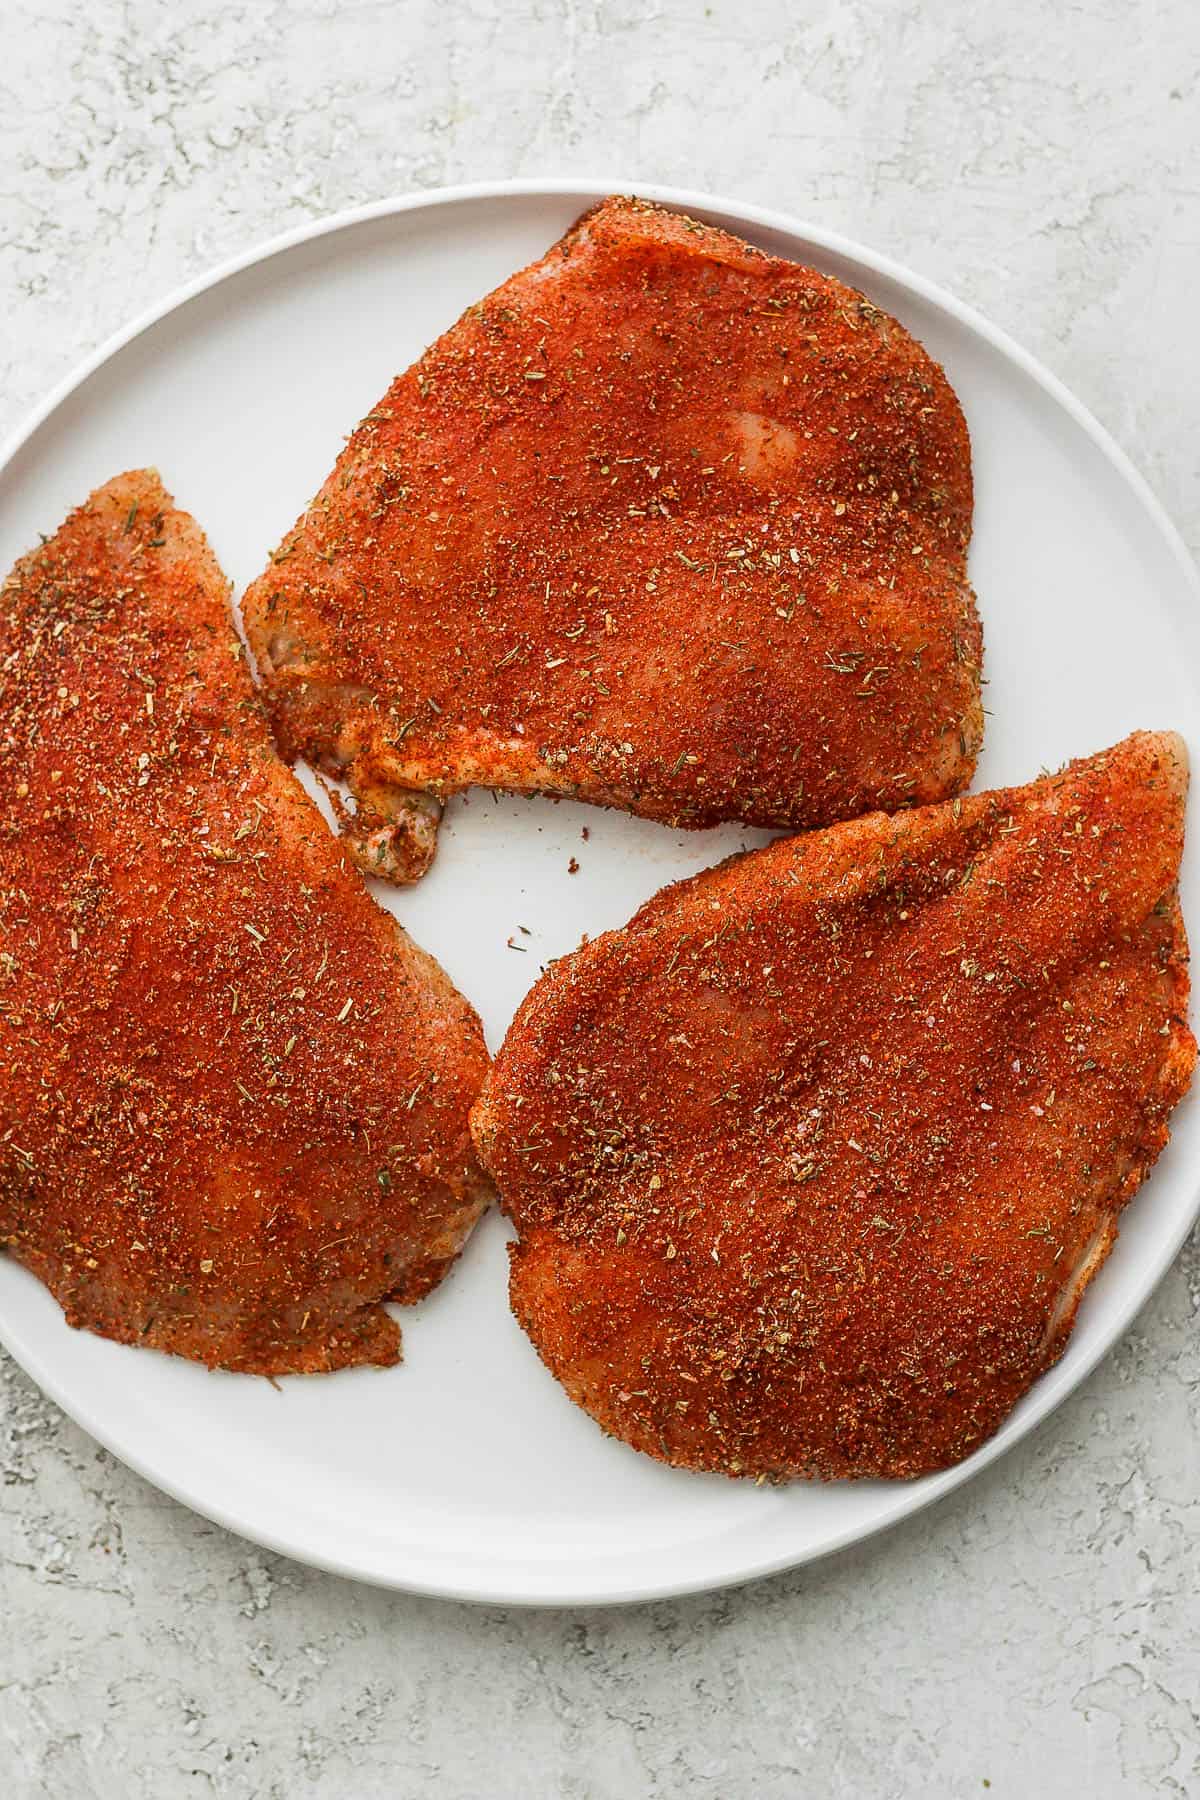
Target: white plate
(466, 1471)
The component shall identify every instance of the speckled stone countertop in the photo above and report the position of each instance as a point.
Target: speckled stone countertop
(1039, 1631)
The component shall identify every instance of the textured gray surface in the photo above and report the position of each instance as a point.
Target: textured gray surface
(1039, 1631)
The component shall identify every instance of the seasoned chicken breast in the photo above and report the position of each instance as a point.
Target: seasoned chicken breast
(812, 1162)
(664, 523)
(233, 1095)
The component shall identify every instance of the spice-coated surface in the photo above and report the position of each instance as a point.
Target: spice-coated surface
(812, 1160)
(664, 523)
(233, 1094)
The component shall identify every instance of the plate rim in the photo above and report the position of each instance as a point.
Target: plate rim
(1045, 1396)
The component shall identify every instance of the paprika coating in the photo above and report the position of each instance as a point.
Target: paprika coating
(812, 1161)
(665, 523)
(233, 1094)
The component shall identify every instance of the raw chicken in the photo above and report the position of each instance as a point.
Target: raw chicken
(812, 1161)
(233, 1095)
(664, 523)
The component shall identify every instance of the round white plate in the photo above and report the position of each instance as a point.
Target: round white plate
(466, 1471)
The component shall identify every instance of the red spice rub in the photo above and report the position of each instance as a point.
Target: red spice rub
(812, 1161)
(664, 523)
(233, 1095)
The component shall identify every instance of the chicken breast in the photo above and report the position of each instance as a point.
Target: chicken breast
(233, 1095)
(812, 1161)
(664, 523)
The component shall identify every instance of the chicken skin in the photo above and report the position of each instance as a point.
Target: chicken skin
(663, 523)
(812, 1161)
(233, 1095)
